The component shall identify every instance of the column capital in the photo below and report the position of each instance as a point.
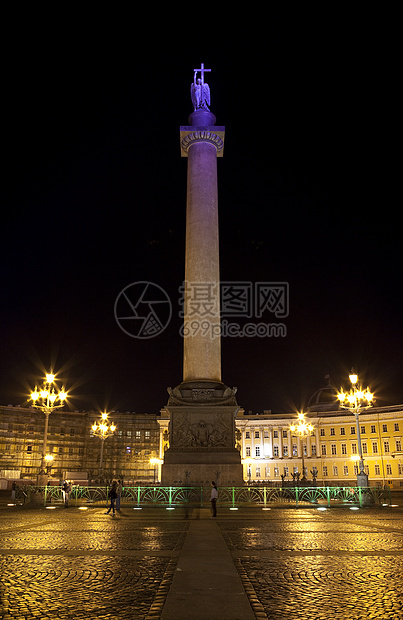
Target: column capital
(190, 135)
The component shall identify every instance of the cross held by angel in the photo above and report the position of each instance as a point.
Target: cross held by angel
(199, 90)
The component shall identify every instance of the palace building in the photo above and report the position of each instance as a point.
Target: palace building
(271, 452)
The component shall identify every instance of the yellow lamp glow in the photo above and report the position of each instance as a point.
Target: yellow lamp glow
(353, 378)
(50, 378)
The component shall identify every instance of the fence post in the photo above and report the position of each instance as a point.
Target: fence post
(296, 497)
(360, 496)
(264, 496)
(328, 496)
(45, 495)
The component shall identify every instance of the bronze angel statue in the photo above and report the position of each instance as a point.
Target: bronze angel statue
(200, 91)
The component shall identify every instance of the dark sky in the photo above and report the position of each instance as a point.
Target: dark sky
(95, 195)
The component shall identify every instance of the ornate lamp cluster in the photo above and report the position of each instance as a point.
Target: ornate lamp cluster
(103, 431)
(47, 399)
(356, 400)
(302, 429)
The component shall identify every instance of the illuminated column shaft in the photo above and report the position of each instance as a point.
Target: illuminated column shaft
(201, 143)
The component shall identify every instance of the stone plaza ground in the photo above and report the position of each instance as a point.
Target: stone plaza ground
(248, 564)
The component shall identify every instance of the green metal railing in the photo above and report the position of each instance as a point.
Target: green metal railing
(232, 497)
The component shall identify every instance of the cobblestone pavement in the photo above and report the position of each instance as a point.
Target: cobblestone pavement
(294, 563)
(314, 566)
(84, 564)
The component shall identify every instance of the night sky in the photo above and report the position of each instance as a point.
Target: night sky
(94, 190)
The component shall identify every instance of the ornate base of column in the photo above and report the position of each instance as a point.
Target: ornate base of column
(202, 436)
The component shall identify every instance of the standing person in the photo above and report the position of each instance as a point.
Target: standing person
(13, 490)
(66, 493)
(213, 499)
(112, 496)
(118, 494)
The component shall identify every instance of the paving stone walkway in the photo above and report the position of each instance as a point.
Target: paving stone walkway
(154, 564)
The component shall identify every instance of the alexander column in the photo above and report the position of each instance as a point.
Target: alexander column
(201, 409)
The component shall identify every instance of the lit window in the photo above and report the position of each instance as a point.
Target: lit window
(386, 446)
(257, 451)
(247, 450)
(364, 448)
(377, 470)
(388, 469)
(374, 447)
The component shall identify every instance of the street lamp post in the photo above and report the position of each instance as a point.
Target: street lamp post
(302, 429)
(47, 399)
(156, 462)
(103, 431)
(357, 400)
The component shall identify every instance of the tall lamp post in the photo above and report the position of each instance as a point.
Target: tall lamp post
(302, 430)
(156, 462)
(357, 400)
(47, 399)
(103, 431)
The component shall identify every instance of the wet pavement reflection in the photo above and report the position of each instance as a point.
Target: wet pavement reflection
(300, 564)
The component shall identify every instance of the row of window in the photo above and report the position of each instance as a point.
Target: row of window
(362, 429)
(257, 434)
(325, 471)
(333, 449)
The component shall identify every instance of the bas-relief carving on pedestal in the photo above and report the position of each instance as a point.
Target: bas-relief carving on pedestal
(213, 430)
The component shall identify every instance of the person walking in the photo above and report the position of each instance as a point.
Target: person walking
(112, 498)
(118, 494)
(213, 499)
(13, 491)
(66, 493)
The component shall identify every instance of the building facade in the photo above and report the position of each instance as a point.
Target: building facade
(71, 441)
(270, 451)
